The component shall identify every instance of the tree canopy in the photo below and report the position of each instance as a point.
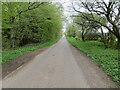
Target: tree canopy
(25, 23)
(99, 15)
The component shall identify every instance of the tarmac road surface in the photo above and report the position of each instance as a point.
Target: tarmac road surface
(60, 66)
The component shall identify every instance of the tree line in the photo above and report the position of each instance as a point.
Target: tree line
(30, 22)
(93, 19)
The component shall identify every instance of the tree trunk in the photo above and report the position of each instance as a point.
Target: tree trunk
(104, 38)
(12, 20)
(118, 46)
(83, 39)
(12, 39)
(118, 43)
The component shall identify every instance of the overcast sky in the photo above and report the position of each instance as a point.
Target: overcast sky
(68, 11)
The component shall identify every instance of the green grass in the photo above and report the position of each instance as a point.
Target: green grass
(105, 58)
(8, 55)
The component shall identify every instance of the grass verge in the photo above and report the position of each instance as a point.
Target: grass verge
(105, 58)
(8, 55)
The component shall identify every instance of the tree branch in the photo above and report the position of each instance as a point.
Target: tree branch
(29, 8)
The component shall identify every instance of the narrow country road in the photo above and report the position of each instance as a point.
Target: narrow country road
(60, 66)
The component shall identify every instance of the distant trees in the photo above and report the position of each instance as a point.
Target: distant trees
(25, 23)
(71, 30)
(99, 15)
(87, 27)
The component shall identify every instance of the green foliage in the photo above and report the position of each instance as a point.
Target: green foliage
(15, 53)
(90, 30)
(72, 30)
(84, 29)
(106, 58)
(37, 25)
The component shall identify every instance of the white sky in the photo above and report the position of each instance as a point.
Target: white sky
(68, 11)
